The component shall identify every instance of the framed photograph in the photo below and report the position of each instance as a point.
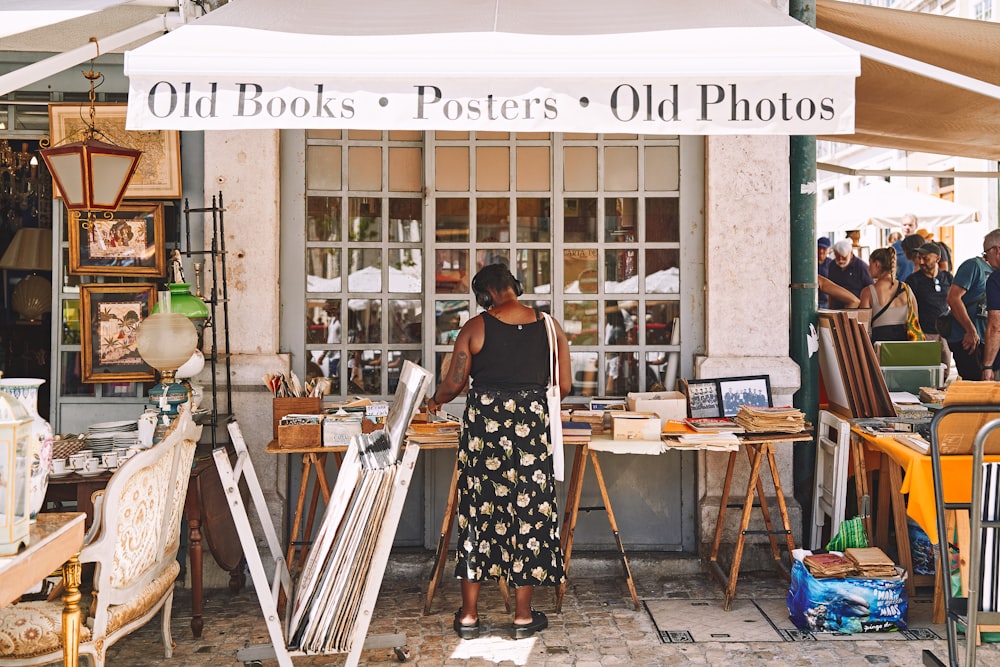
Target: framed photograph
(752, 390)
(126, 242)
(703, 399)
(111, 313)
(159, 172)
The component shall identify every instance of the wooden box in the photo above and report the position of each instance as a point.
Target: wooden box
(312, 405)
(296, 436)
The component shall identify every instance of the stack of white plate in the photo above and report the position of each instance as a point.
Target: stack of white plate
(105, 436)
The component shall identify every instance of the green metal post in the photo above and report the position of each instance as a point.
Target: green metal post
(802, 187)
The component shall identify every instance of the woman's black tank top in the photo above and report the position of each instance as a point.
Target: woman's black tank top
(514, 356)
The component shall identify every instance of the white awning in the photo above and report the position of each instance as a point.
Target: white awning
(636, 66)
(883, 204)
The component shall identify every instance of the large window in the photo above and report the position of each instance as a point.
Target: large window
(397, 223)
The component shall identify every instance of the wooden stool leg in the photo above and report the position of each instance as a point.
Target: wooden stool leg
(723, 503)
(297, 519)
(895, 482)
(779, 493)
(765, 510)
(734, 570)
(319, 461)
(861, 488)
(441, 555)
(570, 514)
(614, 527)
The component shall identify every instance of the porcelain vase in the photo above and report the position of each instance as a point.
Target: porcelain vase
(26, 391)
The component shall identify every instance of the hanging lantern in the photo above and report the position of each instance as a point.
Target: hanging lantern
(15, 474)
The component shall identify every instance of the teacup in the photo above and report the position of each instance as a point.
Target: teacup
(60, 466)
(110, 460)
(91, 466)
(76, 460)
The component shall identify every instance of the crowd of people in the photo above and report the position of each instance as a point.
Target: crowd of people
(913, 280)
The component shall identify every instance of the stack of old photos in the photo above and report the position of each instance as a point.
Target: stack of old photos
(828, 566)
(770, 420)
(871, 563)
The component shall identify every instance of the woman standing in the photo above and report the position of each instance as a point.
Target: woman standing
(507, 517)
(889, 299)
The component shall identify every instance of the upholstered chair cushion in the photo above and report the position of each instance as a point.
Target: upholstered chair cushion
(28, 629)
(122, 614)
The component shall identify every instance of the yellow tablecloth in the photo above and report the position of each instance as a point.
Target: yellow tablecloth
(918, 479)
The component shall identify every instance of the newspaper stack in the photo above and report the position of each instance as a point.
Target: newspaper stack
(829, 566)
(716, 442)
(770, 420)
(871, 563)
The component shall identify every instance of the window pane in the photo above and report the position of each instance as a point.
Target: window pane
(580, 169)
(662, 323)
(489, 256)
(493, 220)
(323, 218)
(364, 321)
(493, 168)
(448, 320)
(621, 168)
(580, 270)
(663, 271)
(663, 219)
(323, 168)
(364, 376)
(534, 269)
(451, 168)
(533, 169)
(534, 219)
(580, 220)
(404, 321)
(584, 366)
(323, 134)
(406, 217)
(71, 322)
(451, 271)
(620, 217)
(621, 271)
(580, 323)
(364, 219)
(622, 373)
(406, 270)
(364, 168)
(618, 321)
(366, 270)
(662, 168)
(452, 223)
(323, 270)
(405, 169)
(70, 383)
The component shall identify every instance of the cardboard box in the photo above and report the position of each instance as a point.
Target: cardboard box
(957, 433)
(635, 426)
(339, 429)
(666, 404)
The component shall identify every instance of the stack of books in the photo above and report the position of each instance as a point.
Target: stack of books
(576, 433)
(718, 442)
(595, 418)
(770, 420)
(713, 425)
(828, 566)
(871, 563)
(428, 433)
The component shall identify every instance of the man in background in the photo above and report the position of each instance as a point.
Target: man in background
(930, 285)
(823, 262)
(967, 300)
(904, 265)
(848, 271)
(945, 261)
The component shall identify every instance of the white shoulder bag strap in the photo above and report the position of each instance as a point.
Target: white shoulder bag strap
(554, 402)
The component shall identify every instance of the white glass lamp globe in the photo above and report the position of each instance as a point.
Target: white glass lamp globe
(165, 341)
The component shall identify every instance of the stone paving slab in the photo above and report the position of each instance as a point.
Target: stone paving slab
(598, 627)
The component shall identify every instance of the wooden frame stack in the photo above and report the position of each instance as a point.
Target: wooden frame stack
(851, 372)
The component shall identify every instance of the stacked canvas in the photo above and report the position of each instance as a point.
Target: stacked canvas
(770, 420)
(851, 372)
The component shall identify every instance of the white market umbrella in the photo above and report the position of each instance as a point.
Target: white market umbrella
(882, 204)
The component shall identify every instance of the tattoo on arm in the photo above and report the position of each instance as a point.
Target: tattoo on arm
(458, 366)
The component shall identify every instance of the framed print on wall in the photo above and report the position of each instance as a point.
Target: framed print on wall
(111, 313)
(126, 242)
(754, 390)
(159, 173)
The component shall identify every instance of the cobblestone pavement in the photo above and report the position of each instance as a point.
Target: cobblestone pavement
(598, 626)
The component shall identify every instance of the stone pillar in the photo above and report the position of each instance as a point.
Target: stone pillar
(747, 276)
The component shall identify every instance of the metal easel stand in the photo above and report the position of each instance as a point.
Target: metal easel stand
(276, 596)
(963, 610)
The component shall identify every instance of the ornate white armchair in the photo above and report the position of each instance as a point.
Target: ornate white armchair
(133, 542)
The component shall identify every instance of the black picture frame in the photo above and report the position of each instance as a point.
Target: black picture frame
(753, 390)
(703, 399)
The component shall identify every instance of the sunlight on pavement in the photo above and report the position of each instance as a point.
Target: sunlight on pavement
(495, 649)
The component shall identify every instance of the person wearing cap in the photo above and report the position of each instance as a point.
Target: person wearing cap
(904, 265)
(848, 271)
(945, 260)
(930, 286)
(909, 246)
(823, 262)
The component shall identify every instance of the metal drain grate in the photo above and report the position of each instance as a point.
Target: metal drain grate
(676, 637)
(796, 635)
(920, 634)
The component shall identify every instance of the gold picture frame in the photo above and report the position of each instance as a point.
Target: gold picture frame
(126, 242)
(159, 173)
(110, 315)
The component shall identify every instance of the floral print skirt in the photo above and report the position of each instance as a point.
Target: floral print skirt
(507, 517)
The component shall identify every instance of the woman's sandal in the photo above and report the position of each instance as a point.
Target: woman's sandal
(538, 622)
(465, 631)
